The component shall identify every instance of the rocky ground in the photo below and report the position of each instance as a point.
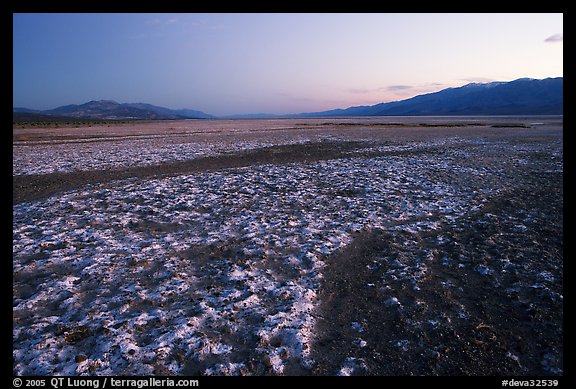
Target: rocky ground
(478, 296)
(349, 247)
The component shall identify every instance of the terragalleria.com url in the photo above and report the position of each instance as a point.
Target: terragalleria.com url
(141, 383)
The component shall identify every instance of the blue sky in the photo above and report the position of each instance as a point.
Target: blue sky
(272, 63)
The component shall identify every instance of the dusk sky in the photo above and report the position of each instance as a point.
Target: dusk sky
(272, 63)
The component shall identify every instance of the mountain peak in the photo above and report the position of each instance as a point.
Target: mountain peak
(104, 102)
(101, 104)
(483, 84)
(110, 109)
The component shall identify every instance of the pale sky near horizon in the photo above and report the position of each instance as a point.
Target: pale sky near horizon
(272, 63)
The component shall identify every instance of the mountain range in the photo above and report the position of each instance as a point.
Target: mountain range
(108, 109)
(524, 96)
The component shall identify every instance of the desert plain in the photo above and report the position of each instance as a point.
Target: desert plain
(326, 246)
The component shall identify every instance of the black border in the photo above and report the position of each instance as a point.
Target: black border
(9, 7)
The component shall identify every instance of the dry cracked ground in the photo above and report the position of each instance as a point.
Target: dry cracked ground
(360, 246)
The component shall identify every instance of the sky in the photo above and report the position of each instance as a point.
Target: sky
(225, 64)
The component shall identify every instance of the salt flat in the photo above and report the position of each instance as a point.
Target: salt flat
(300, 246)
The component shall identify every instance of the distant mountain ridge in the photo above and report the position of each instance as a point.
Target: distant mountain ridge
(523, 96)
(109, 109)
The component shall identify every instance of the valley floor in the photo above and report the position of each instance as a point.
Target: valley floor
(371, 246)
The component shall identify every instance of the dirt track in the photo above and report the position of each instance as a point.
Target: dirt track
(33, 187)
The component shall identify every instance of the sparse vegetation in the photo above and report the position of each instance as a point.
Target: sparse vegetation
(36, 120)
(66, 123)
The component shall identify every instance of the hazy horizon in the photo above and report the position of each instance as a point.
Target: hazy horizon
(228, 64)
